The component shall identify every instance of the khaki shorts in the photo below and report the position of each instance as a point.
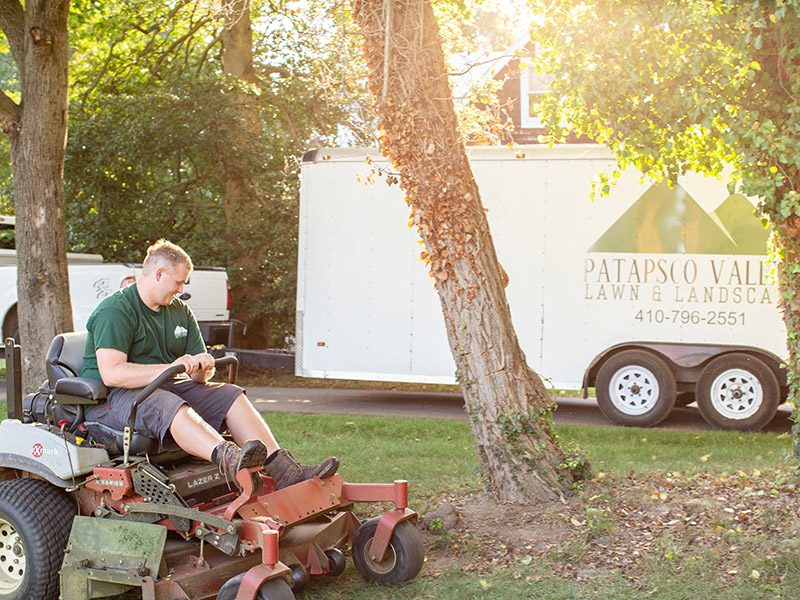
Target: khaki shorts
(211, 401)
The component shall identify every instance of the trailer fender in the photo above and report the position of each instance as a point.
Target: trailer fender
(686, 361)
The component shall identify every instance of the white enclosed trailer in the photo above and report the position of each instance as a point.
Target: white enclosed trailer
(652, 295)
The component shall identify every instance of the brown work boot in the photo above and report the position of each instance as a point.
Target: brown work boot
(286, 471)
(231, 459)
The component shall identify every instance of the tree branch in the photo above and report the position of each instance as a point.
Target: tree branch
(203, 58)
(101, 73)
(10, 112)
(194, 29)
(12, 22)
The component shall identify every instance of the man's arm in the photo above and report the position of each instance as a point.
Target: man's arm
(116, 371)
(197, 348)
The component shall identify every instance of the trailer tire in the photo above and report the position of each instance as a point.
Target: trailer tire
(404, 555)
(271, 589)
(635, 388)
(35, 521)
(737, 391)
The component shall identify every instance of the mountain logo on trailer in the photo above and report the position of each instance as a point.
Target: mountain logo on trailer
(668, 220)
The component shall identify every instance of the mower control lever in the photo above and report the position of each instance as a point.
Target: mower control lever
(165, 376)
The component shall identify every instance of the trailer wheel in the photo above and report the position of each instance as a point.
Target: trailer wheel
(737, 391)
(271, 589)
(404, 555)
(635, 388)
(35, 521)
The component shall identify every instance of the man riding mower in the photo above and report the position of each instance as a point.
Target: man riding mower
(123, 513)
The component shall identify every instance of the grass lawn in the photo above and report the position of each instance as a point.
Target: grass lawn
(668, 515)
(437, 455)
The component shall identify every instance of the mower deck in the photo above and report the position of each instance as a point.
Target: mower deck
(151, 538)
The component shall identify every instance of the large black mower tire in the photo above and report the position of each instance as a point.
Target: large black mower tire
(635, 388)
(404, 556)
(35, 521)
(272, 589)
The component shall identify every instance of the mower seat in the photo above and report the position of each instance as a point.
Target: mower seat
(64, 364)
(72, 393)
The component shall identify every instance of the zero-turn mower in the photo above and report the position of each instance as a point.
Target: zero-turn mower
(94, 515)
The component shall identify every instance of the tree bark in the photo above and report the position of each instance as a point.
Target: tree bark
(40, 46)
(237, 61)
(787, 242)
(508, 406)
(242, 193)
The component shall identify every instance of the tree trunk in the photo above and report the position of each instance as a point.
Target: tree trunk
(508, 405)
(37, 144)
(242, 193)
(787, 241)
(237, 61)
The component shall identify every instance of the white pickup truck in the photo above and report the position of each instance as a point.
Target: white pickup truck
(90, 280)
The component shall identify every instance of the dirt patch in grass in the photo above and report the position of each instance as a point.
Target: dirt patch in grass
(736, 526)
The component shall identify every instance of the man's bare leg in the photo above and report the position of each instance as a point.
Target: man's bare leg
(197, 437)
(245, 423)
(193, 434)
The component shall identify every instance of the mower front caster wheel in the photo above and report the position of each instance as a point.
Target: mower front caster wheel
(300, 578)
(404, 555)
(336, 561)
(271, 589)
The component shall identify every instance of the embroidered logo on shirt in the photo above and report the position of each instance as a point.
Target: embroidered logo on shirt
(180, 332)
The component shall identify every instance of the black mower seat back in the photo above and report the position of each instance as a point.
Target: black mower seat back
(61, 398)
(64, 364)
(72, 393)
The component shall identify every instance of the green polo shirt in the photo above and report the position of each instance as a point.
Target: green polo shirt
(122, 321)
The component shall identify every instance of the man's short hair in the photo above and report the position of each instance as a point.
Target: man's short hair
(164, 253)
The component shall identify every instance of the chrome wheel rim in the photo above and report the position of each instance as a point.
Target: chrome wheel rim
(12, 558)
(633, 390)
(736, 394)
(386, 565)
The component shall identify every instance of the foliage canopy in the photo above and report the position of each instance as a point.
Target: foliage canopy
(675, 85)
(158, 129)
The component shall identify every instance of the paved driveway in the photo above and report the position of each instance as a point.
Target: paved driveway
(451, 406)
(446, 406)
